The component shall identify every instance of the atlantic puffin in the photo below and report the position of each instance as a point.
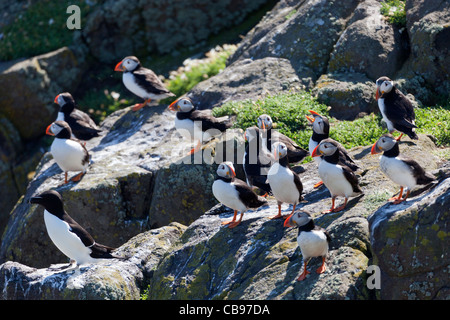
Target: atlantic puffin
(197, 125)
(82, 126)
(312, 240)
(285, 184)
(141, 81)
(339, 179)
(70, 154)
(403, 171)
(396, 109)
(295, 152)
(321, 130)
(257, 161)
(67, 235)
(234, 193)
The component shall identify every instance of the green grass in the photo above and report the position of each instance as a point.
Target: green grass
(40, 29)
(395, 11)
(288, 113)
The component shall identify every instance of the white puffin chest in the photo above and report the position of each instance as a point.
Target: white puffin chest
(68, 154)
(333, 177)
(130, 83)
(398, 171)
(281, 181)
(382, 107)
(312, 244)
(65, 240)
(227, 194)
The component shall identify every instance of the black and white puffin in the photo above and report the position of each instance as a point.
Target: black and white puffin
(67, 235)
(256, 161)
(294, 151)
(285, 184)
(82, 126)
(312, 240)
(396, 109)
(69, 154)
(197, 125)
(321, 131)
(403, 171)
(339, 179)
(234, 193)
(141, 81)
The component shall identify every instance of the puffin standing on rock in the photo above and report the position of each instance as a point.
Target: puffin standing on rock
(82, 126)
(338, 178)
(69, 154)
(198, 125)
(285, 184)
(312, 240)
(67, 235)
(234, 193)
(321, 131)
(403, 171)
(294, 152)
(396, 109)
(141, 81)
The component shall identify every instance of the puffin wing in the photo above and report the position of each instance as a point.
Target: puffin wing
(209, 121)
(401, 111)
(345, 159)
(148, 80)
(247, 196)
(351, 178)
(295, 152)
(83, 127)
(298, 184)
(419, 173)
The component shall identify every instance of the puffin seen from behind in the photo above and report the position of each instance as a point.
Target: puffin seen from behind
(67, 235)
(338, 178)
(294, 152)
(234, 193)
(312, 240)
(70, 154)
(285, 184)
(321, 130)
(141, 81)
(256, 161)
(197, 125)
(403, 171)
(396, 109)
(82, 126)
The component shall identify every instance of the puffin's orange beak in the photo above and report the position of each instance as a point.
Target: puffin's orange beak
(119, 67)
(172, 106)
(263, 126)
(232, 171)
(287, 222)
(374, 149)
(316, 152)
(312, 119)
(48, 131)
(56, 99)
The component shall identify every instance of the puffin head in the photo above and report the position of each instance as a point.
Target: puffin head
(265, 122)
(326, 147)
(60, 129)
(226, 170)
(128, 64)
(384, 85)
(279, 150)
(251, 133)
(299, 218)
(385, 142)
(64, 98)
(182, 104)
(51, 200)
(320, 124)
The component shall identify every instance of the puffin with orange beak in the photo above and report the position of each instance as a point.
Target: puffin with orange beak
(396, 109)
(285, 184)
(321, 131)
(339, 179)
(294, 151)
(403, 171)
(69, 154)
(312, 240)
(141, 81)
(234, 193)
(197, 125)
(82, 126)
